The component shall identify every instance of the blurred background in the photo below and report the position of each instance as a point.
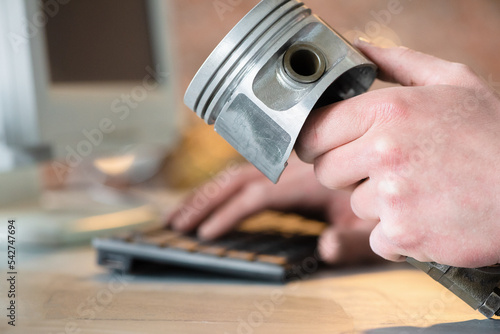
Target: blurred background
(91, 91)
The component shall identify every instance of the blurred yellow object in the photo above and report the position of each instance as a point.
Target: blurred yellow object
(120, 219)
(201, 154)
(285, 223)
(115, 165)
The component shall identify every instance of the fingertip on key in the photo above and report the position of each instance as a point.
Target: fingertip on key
(208, 231)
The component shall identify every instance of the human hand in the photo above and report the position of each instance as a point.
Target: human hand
(423, 160)
(235, 194)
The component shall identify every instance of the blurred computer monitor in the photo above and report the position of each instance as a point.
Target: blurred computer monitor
(81, 80)
(82, 77)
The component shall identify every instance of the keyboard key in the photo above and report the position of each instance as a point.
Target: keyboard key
(188, 245)
(161, 238)
(212, 250)
(241, 255)
(273, 259)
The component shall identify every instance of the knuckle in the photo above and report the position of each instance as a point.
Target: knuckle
(398, 235)
(397, 222)
(392, 109)
(462, 75)
(388, 153)
(401, 232)
(461, 69)
(390, 188)
(380, 244)
(393, 194)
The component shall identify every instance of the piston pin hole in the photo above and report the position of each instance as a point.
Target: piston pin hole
(304, 63)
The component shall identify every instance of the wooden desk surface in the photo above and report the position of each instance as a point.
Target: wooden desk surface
(65, 292)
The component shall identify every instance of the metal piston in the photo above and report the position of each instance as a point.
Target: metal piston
(262, 81)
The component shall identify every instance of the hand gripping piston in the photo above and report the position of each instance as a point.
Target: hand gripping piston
(262, 81)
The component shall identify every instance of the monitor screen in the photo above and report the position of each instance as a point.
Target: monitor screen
(83, 63)
(99, 41)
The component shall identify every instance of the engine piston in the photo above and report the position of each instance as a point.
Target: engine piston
(262, 81)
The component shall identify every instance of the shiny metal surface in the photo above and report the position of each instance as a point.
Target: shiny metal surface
(262, 81)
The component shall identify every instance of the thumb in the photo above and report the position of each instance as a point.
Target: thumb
(411, 68)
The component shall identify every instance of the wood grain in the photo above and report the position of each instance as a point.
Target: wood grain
(64, 291)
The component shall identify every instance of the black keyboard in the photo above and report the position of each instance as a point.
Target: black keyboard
(268, 246)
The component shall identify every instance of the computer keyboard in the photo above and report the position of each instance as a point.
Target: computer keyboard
(267, 247)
